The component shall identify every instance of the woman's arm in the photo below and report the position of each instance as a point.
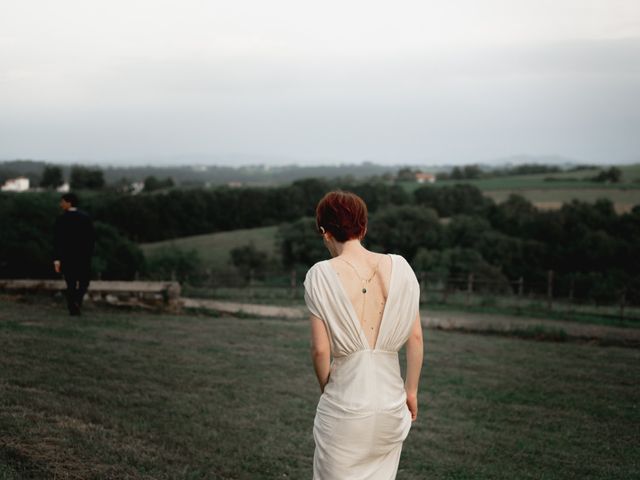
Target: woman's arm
(414, 365)
(320, 351)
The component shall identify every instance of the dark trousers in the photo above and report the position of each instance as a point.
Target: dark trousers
(77, 280)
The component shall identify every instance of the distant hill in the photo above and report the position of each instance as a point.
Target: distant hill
(267, 175)
(202, 175)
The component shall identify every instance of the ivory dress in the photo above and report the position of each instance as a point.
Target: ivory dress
(362, 417)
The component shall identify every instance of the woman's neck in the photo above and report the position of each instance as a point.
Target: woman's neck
(351, 248)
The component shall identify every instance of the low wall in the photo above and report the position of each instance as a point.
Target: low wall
(135, 293)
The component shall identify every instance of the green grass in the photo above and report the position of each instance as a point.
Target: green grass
(624, 200)
(214, 248)
(509, 305)
(630, 173)
(535, 332)
(573, 180)
(119, 394)
(566, 187)
(536, 308)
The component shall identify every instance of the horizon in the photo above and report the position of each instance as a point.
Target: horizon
(251, 161)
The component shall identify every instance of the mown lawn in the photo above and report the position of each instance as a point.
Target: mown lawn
(120, 394)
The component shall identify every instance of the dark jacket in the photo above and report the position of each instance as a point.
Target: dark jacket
(74, 239)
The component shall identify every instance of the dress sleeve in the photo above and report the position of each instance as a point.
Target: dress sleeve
(412, 283)
(310, 289)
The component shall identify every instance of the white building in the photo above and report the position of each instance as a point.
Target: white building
(136, 187)
(20, 184)
(64, 188)
(425, 177)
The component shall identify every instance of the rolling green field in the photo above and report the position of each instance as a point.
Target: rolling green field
(118, 394)
(214, 248)
(566, 186)
(570, 180)
(624, 200)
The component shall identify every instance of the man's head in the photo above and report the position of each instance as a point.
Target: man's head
(68, 200)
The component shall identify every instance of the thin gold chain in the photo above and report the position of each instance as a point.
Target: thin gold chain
(363, 280)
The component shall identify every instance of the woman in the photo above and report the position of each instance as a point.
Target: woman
(364, 308)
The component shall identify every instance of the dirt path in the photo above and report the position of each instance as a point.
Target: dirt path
(452, 320)
(245, 308)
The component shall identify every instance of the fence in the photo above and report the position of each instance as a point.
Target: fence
(471, 290)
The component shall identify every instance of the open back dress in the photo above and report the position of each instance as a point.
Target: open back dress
(362, 417)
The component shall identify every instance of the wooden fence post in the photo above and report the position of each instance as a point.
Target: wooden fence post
(623, 300)
(520, 286)
(293, 282)
(445, 291)
(469, 288)
(549, 289)
(423, 286)
(571, 288)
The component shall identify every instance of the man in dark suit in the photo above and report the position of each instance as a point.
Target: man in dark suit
(73, 248)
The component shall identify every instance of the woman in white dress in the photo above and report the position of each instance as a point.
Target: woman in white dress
(364, 308)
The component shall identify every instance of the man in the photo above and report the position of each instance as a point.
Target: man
(73, 247)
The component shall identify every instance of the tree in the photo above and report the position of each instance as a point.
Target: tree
(151, 183)
(471, 171)
(248, 259)
(513, 216)
(300, 243)
(465, 230)
(406, 174)
(452, 200)
(611, 175)
(173, 262)
(26, 247)
(51, 177)
(457, 174)
(115, 257)
(458, 263)
(403, 229)
(86, 178)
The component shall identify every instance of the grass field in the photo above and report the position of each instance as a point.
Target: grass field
(566, 186)
(119, 394)
(624, 200)
(630, 179)
(214, 248)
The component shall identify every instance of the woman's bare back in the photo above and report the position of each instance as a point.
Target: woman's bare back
(365, 279)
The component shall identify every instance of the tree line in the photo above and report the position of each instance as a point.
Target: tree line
(448, 231)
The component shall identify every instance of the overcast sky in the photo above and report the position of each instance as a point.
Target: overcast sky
(334, 81)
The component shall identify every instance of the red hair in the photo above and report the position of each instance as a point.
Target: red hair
(343, 214)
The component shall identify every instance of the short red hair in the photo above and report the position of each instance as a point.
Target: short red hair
(343, 214)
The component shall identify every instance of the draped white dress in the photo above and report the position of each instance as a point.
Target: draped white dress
(362, 417)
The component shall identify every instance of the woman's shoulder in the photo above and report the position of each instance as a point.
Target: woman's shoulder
(399, 259)
(404, 266)
(315, 270)
(318, 265)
